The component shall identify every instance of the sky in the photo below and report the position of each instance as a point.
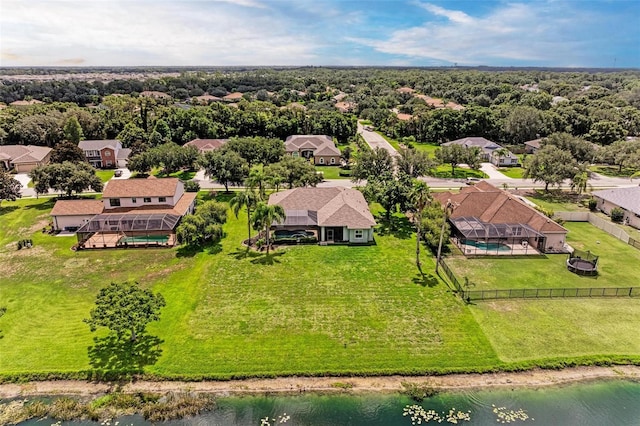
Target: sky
(539, 33)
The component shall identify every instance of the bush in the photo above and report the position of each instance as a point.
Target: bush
(418, 392)
(592, 203)
(191, 186)
(617, 214)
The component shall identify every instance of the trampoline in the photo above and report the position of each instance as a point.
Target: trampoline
(583, 263)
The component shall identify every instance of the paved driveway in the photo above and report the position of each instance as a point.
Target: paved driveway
(126, 174)
(374, 140)
(492, 171)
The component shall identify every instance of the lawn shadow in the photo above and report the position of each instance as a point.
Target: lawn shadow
(111, 356)
(398, 226)
(245, 253)
(267, 259)
(190, 251)
(7, 209)
(425, 280)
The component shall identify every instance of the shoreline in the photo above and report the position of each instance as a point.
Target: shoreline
(535, 378)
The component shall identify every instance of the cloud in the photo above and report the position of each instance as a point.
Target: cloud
(122, 32)
(522, 33)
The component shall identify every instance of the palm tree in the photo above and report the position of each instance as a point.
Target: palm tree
(257, 179)
(448, 209)
(246, 199)
(579, 182)
(420, 199)
(265, 215)
(501, 153)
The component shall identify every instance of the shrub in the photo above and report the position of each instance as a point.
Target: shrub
(418, 392)
(593, 203)
(191, 186)
(617, 214)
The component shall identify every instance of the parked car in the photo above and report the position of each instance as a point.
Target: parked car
(472, 181)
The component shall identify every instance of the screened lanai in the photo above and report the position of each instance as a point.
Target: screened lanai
(128, 229)
(475, 237)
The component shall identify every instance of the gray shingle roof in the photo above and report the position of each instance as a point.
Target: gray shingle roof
(626, 198)
(97, 145)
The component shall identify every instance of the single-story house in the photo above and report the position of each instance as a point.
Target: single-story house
(335, 215)
(488, 151)
(531, 147)
(488, 220)
(627, 199)
(131, 212)
(320, 148)
(205, 145)
(24, 158)
(107, 153)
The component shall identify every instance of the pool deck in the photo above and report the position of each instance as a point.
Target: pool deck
(104, 240)
(514, 250)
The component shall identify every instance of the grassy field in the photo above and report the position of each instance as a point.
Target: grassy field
(618, 265)
(105, 175)
(512, 172)
(331, 172)
(613, 171)
(306, 309)
(565, 327)
(558, 201)
(444, 171)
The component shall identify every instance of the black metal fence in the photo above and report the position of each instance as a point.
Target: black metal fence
(536, 293)
(540, 293)
(634, 243)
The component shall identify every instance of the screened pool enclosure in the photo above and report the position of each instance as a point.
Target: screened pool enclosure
(475, 237)
(128, 229)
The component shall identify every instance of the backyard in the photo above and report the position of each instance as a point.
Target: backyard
(301, 310)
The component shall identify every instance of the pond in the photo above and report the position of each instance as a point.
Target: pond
(587, 404)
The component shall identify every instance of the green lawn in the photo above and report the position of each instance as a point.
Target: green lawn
(331, 172)
(618, 265)
(444, 171)
(105, 175)
(613, 171)
(512, 172)
(182, 175)
(306, 309)
(559, 201)
(533, 329)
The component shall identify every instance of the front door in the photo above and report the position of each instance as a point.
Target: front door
(329, 234)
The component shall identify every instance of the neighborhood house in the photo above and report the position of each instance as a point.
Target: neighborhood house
(204, 145)
(132, 212)
(320, 148)
(627, 199)
(107, 153)
(489, 151)
(489, 221)
(333, 215)
(23, 158)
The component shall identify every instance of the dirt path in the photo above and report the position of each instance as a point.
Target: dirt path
(533, 379)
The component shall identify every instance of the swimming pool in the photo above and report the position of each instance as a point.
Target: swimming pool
(487, 246)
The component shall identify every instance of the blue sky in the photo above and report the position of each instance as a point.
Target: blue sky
(578, 33)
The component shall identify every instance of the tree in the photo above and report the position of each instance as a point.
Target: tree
(606, 132)
(550, 165)
(66, 178)
(448, 210)
(225, 166)
(579, 181)
(297, 172)
(420, 199)
(346, 154)
(205, 226)
(257, 179)
(523, 124)
(9, 187)
(265, 215)
(413, 163)
(434, 221)
(125, 309)
(452, 155)
(67, 151)
(371, 164)
(621, 154)
(247, 199)
(391, 193)
(582, 150)
(72, 130)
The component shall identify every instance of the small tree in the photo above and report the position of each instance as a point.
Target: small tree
(265, 215)
(9, 187)
(67, 151)
(247, 199)
(617, 214)
(73, 131)
(420, 199)
(125, 309)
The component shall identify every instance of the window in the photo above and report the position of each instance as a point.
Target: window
(134, 200)
(321, 160)
(147, 199)
(295, 154)
(358, 234)
(114, 202)
(162, 199)
(107, 153)
(333, 160)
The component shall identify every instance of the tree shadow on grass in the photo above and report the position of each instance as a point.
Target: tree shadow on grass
(111, 357)
(190, 251)
(267, 259)
(7, 209)
(398, 226)
(245, 253)
(425, 280)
